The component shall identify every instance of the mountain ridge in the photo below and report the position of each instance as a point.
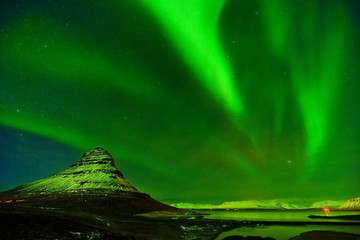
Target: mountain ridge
(273, 204)
(331, 204)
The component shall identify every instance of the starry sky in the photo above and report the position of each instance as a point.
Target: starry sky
(197, 100)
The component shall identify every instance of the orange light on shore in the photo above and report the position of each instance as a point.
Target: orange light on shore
(8, 201)
(327, 211)
(20, 200)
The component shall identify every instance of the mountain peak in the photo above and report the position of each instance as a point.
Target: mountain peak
(96, 156)
(96, 170)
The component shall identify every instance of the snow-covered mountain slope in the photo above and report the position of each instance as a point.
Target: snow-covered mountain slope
(327, 204)
(351, 204)
(248, 204)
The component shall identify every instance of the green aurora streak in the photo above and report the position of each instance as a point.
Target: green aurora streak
(261, 96)
(316, 50)
(192, 26)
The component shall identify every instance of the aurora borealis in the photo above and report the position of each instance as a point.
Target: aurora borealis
(197, 100)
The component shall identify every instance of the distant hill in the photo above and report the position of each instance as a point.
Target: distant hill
(351, 204)
(331, 204)
(275, 204)
(265, 204)
(248, 204)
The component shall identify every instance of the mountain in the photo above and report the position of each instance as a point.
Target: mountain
(248, 204)
(265, 204)
(92, 182)
(351, 204)
(95, 170)
(331, 204)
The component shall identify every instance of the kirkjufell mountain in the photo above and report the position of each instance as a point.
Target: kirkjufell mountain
(95, 171)
(92, 182)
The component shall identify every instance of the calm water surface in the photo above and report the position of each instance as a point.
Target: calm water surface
(285, 232)
(264, 215)
(280, 232)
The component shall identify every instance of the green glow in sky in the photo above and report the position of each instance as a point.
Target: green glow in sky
(44, 47)
(193, 27)
(317, 54)
(197, 101)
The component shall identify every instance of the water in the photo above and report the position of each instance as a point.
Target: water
(264, 215)
(285, 232)
(280, 232)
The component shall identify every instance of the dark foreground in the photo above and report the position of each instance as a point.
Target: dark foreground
(44, 223)
(28, 222)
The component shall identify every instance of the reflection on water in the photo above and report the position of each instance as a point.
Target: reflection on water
(264, 215)
(280, 232)
(285, 232)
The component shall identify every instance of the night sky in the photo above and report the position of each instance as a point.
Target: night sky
(197, 100)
